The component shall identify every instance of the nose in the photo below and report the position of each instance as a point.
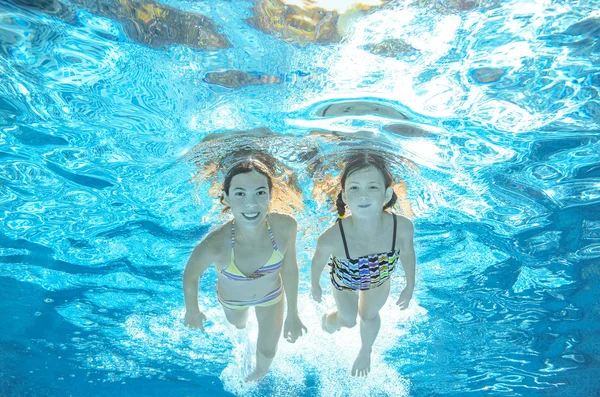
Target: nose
(250, 202)
(363, 198)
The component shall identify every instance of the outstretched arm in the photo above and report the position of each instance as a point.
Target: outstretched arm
(407, 257)
(199, 261)
(292, 327)
(319, 261)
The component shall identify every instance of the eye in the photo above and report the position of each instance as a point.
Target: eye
(261, 193)
(239, 194)
(374, 187)
(353, 188)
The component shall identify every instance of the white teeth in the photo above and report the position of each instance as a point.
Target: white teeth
(251, 215)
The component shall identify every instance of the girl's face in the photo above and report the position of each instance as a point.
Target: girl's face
(249, 198)
(365, 192)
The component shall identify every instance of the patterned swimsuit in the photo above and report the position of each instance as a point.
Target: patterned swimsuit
(232, 272)
(365, 272)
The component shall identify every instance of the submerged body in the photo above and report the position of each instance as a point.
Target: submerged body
(255, 258)
(362, 251)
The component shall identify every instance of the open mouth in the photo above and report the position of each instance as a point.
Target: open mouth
(251, 215)
(364, 205)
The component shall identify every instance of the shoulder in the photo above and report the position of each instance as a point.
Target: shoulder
(221, 231)
(216, 239)
(282, 220)
(330, 237)
(283, 225)
(405, 226)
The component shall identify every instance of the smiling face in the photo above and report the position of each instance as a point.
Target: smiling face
(365, 192)
(249, 198)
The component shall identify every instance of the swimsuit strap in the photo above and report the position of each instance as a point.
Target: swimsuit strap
(394, 238)
(344, 238)
(271, 234)
(232, 234)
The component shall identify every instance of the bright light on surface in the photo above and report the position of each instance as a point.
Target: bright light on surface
(338, 5)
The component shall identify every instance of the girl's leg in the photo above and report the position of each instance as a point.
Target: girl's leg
(370, 303)
(345, 316)
(239, 318)
(270, 322)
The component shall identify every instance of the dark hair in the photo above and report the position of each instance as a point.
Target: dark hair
(358, 162)
(244, 167)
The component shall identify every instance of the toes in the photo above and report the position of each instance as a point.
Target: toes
(360, 372)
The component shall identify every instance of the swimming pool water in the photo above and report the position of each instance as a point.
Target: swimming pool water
(490, 110)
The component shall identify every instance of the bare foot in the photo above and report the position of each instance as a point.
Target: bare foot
(362, 364)
(325, 326)
(257, 374)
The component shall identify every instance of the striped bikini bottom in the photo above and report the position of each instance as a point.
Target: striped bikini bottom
(269, 299)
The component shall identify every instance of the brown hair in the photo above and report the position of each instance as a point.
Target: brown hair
(286, 196)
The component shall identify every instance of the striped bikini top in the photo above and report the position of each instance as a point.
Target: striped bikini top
(271, 266)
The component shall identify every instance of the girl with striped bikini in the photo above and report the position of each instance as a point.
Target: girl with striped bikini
(255, 258)
(363, 250)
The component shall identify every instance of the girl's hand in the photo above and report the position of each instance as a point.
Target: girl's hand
(195, 320)
(293, 327)
(405, 298)
(316, 292)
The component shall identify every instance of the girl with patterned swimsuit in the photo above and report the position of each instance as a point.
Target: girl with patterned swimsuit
(363, 250)
(255, 258)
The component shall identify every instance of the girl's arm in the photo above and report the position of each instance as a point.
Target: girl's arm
(408, 260)
(201, 258)
(290, 268)
(319, 261)
(292, 327)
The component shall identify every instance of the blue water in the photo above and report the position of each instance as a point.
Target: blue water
(492, 121)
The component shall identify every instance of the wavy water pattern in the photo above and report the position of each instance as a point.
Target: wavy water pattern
(112, 122)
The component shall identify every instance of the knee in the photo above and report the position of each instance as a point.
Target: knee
(240, 326)
(369, 317)
(347, 320)
(239, 323)
(267, 352)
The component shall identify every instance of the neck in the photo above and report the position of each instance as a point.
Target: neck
(246, 233)
(366, 226)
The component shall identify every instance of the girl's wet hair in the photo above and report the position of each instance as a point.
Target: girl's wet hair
(221, 158)
(361, 161)
(244, 167)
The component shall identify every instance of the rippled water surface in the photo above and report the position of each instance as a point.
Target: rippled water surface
(111, 110)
